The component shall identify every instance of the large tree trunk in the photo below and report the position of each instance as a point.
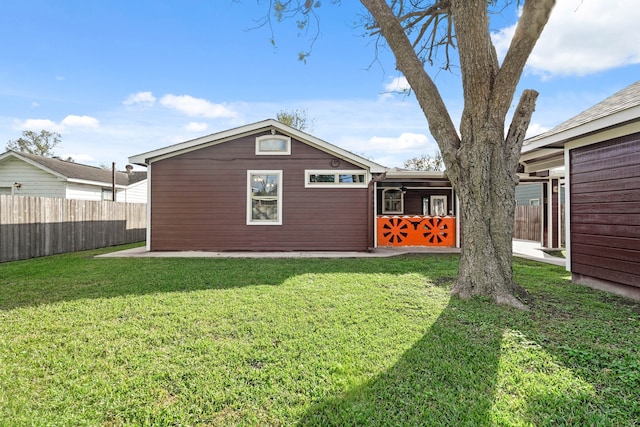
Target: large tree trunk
(487, 202)
(481, 161)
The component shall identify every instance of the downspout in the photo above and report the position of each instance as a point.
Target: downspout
(372, 222)
(148, 206)
(567, 208)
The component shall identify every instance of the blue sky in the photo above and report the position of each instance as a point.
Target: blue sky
(117, 78)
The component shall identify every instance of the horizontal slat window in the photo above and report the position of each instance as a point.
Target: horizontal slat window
(334, 178)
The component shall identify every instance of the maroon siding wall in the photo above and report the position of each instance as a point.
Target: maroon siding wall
(198, 202)
(605, 211)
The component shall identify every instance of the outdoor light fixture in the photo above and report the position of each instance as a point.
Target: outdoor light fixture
(17, 185)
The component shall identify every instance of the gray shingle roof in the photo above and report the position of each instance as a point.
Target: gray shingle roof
(628, 97)
(85, 172)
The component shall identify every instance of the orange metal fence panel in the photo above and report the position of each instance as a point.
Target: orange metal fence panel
(416, 231)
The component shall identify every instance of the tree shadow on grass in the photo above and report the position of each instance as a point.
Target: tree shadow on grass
(70, 277)
(479, 364)
(445, 379)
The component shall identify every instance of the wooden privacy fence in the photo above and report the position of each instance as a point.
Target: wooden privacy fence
(38, 226)
(527, 223)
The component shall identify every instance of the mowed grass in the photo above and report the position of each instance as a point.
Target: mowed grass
(371, 342)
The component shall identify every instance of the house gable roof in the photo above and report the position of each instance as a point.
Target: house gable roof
(620, 109)
(269, 124)
(76, 171)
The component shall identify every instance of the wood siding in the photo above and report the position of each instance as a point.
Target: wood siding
(199, 202)
(34, 181)
(527, 223)
(605, 211)
(39, 226)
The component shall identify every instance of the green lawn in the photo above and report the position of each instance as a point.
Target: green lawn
(372, 342)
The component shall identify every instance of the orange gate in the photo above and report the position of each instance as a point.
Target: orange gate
(416, 231)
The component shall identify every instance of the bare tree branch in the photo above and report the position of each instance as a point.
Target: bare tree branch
(409, 63)
(535, 15)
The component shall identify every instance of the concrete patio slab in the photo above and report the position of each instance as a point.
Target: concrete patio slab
(521, 248)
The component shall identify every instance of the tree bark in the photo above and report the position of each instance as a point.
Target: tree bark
(481, 161)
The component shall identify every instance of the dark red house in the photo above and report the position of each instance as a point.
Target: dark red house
(269, 187)
(600, 151)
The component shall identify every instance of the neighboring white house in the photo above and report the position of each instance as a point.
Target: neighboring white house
(24, 174)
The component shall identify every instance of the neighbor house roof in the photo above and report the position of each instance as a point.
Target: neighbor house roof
(620, 109)
(270, 124)
(76, 171)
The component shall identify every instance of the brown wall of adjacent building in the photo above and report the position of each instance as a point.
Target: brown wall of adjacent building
(605, 211)
(199, 202)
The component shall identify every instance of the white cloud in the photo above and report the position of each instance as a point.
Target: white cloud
(38, 125)
(396, 85)
(196, 127)
(145, 99)
(535, 129)
(80, 121)
(583, 37)
(70, 121)
(196, 107)
(407, 141)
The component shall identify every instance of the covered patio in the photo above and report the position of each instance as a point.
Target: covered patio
(417, 209)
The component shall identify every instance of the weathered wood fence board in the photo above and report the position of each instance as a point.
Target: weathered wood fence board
(38, 226)
(527, 224)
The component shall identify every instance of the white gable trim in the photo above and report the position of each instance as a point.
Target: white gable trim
(32, 163)
(94, 183)
(224, 136)
(598, 125)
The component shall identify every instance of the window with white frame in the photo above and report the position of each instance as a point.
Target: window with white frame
(264, 197)
(273, 145)
(393, 201)
(107, 194)
(333, 178)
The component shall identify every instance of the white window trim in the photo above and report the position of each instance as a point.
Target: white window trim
(285, 152)
(250, 220)
(337, 183)
(432, 204)
(386, 211)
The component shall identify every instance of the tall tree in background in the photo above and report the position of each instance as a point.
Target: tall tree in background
(425, 163)
(481, 158)
(296, 119)
(31, 142)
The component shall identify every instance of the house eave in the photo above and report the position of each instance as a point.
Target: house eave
(558, 139)
(94, 183)
(32, 163)
(149, 157)
(395, 174)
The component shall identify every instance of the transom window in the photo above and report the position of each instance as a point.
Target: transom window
(334, 178)
(264, 197)
(273, 145)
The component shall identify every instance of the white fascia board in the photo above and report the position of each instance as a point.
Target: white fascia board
(193, 144)
(332, 149)
(33, 163)
(541, 165)
(416, 175)
(605, 135)
(220, 137)
(596, 125)
(94, 183)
